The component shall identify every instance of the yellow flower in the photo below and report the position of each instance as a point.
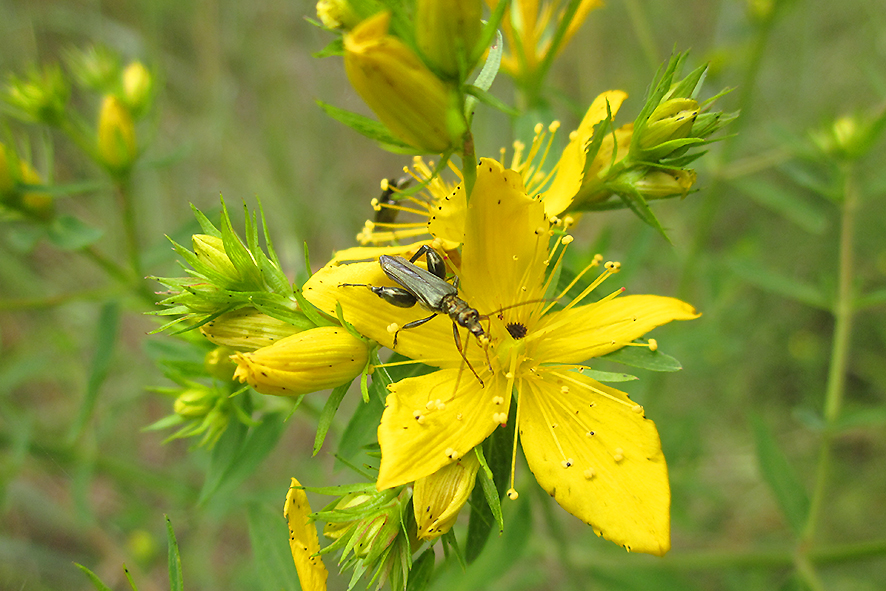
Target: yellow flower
(588, 445)
(440, 208)
(438, 498)
(528, 31)
(409, 99)
(303, 540)
(316, 359)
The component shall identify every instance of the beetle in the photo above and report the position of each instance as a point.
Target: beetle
(430, 289)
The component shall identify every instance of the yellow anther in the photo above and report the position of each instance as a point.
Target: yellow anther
(429, 405)
(554, 126)
(513, 494)
(375, 204)
(452, 454)
(538, 128)
(567, 239)
(572, 135)
(393, 327)
(637, 409)
(500, 418)
(566, 463)
(613, 266)
(514, 257)
(619, 454)
(459, 417)
(589, 473)
(498, 400)
(597, 258)
(653, 345)
(384, 186)
(440, 405)
(564, 389)
(509, 375)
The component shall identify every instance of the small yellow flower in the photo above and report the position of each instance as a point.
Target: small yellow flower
(303, 540)
(588, 445)
(438, 498)
(137, 85)
(316, 359)
(116, 135)
(410, 100)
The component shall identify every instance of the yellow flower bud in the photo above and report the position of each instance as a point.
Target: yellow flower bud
(438, 498)
(35, 203)
(246, 329)
(336, 14)
(116, 135)
(7, 180)
(408, 98)
(446, 32)
(656, 184)
(210, 250)
(137, 83)
(312, 360)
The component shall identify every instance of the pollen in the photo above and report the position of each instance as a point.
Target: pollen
(653, 345)
(452, 454)
(500, 418)
(567, 239)
(459, 417)
(613, 266)
(513, 494)
(566, 463)
(589, 473)
(554, 126)
(637, 409)
(509, 375)
(619, 454)
(393, 327)
(375, 204)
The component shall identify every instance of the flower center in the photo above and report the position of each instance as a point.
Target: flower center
(517, 330)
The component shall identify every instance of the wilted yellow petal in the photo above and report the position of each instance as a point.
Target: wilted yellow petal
(305, 362)
(506, 240)
(593, 450)
(438, 498)
(303, 540)
(427, 424)
(583, 332)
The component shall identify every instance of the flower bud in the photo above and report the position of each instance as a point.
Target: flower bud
(246, 329)
(210, 250)
(671, 120)
(409, 99)
(95, 67)
(308, 361)
(137, 86)
(438, 498)
(218, 364)
(337, 14)
(116, 135)
(657, 184)
(303, 540)
(42, 98)
(36, 204)
(446, 32)
(194, 403)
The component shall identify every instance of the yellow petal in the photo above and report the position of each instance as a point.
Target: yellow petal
(432, 342)
(506, 240)
(427, 424)
(593, 450)
(447, 221)
(584, 332)
(303, 540)
(570, 168)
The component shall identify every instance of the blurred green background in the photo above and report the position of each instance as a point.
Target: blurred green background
(755, 250)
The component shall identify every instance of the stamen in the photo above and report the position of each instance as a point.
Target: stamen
(513, 494)
(510, 386)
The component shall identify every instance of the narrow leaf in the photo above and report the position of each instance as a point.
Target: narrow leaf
(775, 282)
(328, 414)
(176, 581)
(789, 492)
(106, 337)
(96, 582)
(643, 358)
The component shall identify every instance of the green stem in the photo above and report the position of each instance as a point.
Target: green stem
(836, 385)
(469, 163)
(130, 228)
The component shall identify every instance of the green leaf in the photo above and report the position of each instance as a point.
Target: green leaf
(635, 201)
(176, 582)
(328, 414)
(96, 582)
(367, 127)
(272, 561)
(790, 205)
(235, 458)
(608, 376)
(789, 492)
(334, 47)
(421, 572)
(774, 282)
(643, 358)
(68, 233)
(206, 226)
(491, 100)
(106, 337)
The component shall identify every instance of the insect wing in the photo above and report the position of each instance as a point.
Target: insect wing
(428, 289)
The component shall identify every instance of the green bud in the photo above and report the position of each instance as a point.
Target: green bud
(210, 250)
(194, 402)
(15, 175)
(41, 98)
(337, 14)
(671, 120)
(446, 32)
(95, 67)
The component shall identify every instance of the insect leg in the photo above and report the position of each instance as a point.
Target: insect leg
(412, 324)
(461, 352)
(436, 265)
